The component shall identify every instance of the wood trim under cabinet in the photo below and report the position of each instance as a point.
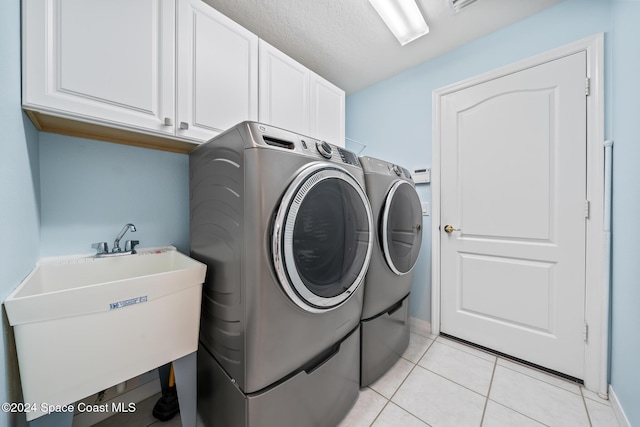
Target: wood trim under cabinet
(60, 125)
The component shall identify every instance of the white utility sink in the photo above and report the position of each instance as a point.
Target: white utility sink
(84, 324)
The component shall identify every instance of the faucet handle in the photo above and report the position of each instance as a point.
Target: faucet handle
(101, 248)
(130, 245)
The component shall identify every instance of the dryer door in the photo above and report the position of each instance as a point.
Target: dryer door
(322, 238)
(401, 227)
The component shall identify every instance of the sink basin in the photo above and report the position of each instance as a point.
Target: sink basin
(84, 324)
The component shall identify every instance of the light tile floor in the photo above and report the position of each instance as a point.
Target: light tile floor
(439, 382)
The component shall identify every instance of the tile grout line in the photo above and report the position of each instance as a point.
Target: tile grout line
(516, 411)
(519, 413)
(495, 366)
(486, 401)
(381, 411)
(546, 382)
(586, 409)
(423, 353)
(415, 364)
(487, 397)
(452, 381)
(460, 347)
(501, 404)
(495, 361)
(388, 399)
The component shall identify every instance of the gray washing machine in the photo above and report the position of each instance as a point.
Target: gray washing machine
(397, 217)
(285, 227)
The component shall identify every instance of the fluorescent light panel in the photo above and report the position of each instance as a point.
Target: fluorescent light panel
(403, 18)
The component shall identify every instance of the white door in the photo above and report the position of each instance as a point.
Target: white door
(513, 188)
(217, 72)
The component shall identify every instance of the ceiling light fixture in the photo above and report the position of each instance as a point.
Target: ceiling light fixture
(403, 19)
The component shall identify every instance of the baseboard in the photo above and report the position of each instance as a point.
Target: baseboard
(617, 409)
(419, 326)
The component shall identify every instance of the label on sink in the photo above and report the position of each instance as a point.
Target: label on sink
(127, 302)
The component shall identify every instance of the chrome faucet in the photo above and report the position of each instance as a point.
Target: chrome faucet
(102, 249)
(116, 243)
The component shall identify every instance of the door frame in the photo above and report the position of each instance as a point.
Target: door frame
(597, 285)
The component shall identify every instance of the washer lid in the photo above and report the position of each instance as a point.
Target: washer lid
(401, 227)
(322, 238)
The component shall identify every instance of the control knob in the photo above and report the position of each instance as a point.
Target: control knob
(396, 170)
(324, 149)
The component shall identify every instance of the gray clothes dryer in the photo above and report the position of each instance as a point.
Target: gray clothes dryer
(397, 217)
(284, 225)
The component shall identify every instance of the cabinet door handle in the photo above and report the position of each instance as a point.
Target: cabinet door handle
(168, 121)
(184, 126)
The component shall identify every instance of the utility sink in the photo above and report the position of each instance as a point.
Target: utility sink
(84, 324)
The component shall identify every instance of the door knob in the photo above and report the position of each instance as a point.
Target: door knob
(449, 229)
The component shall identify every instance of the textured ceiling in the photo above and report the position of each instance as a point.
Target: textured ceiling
(346, 42)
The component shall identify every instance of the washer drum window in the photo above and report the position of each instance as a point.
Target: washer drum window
(322, 238)
(401, 227)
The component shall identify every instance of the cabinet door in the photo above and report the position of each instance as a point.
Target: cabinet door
(109, 62)
(217, 72)
(327, 111)
(284, 90)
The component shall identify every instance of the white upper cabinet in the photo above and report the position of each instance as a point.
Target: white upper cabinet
(295, 98)
(110, 62)
(327, 111)
(284, 90)
(117, 64)
(163, 74)
(217, 72)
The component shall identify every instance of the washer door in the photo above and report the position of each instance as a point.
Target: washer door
(322, 238)
(401, 227)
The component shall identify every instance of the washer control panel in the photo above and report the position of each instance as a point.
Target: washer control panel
(382, 167)
(283, 139)
(328, 151)
(348, 157)
(399, 171)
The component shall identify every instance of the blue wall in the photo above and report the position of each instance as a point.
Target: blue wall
(398, 113)
(19, 191)
(91, 189)
(624, 123)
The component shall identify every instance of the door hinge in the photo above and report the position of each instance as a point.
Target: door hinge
(586, 332)
(587, 209)
(587, 87)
